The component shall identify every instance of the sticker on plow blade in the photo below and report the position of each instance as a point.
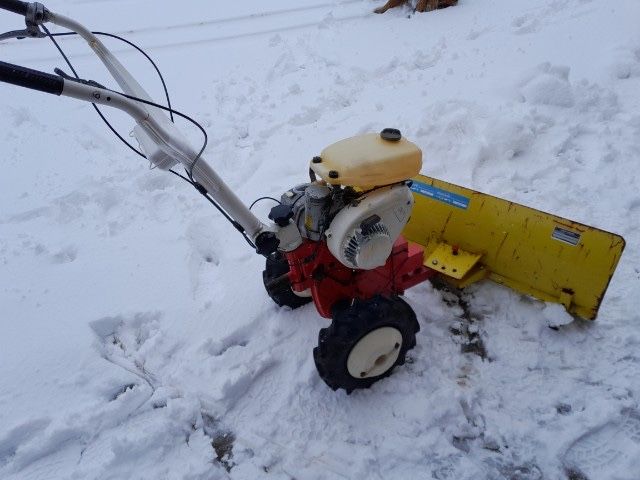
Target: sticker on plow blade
(567, 236)
(443, 196)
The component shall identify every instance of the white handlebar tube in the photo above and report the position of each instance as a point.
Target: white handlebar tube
(129, 85)
(154, 128)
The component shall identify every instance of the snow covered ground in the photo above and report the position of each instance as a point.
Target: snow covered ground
(136, 340)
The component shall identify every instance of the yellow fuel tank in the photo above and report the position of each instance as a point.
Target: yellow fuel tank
(368, 161)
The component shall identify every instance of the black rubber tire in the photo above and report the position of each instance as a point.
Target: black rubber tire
(277, 284)
(351, 323)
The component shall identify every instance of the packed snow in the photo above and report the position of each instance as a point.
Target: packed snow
(136, 339)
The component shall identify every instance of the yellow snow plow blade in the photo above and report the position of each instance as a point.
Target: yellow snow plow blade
(469, 236)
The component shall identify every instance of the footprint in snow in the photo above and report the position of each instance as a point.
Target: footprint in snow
(525, 24)
(19, 436)
(65, 255)
(611, 450)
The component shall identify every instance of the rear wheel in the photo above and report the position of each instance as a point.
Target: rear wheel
(365, 341)
(277, 284)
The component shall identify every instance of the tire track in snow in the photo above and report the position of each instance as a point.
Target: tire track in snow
(255, 33)
(248, 19)
(238, 18)
(115, 336)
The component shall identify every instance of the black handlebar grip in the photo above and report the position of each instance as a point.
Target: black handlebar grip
(15, 6)
(33, 79)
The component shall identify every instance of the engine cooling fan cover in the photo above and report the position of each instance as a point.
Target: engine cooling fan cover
(362, 234)
(370, 248)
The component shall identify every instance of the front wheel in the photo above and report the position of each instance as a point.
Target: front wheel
(365, 341)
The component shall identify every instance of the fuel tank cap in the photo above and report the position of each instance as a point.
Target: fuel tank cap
(391, 134)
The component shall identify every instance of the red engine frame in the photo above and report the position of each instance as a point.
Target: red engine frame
(313, 267)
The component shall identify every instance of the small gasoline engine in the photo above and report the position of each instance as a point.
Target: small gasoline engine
(341, 246)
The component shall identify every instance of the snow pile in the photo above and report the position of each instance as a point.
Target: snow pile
(136, 339)
(556, 315)
(548, 86)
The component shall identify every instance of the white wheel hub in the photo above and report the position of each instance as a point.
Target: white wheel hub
(375, 353)
(303, 294)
